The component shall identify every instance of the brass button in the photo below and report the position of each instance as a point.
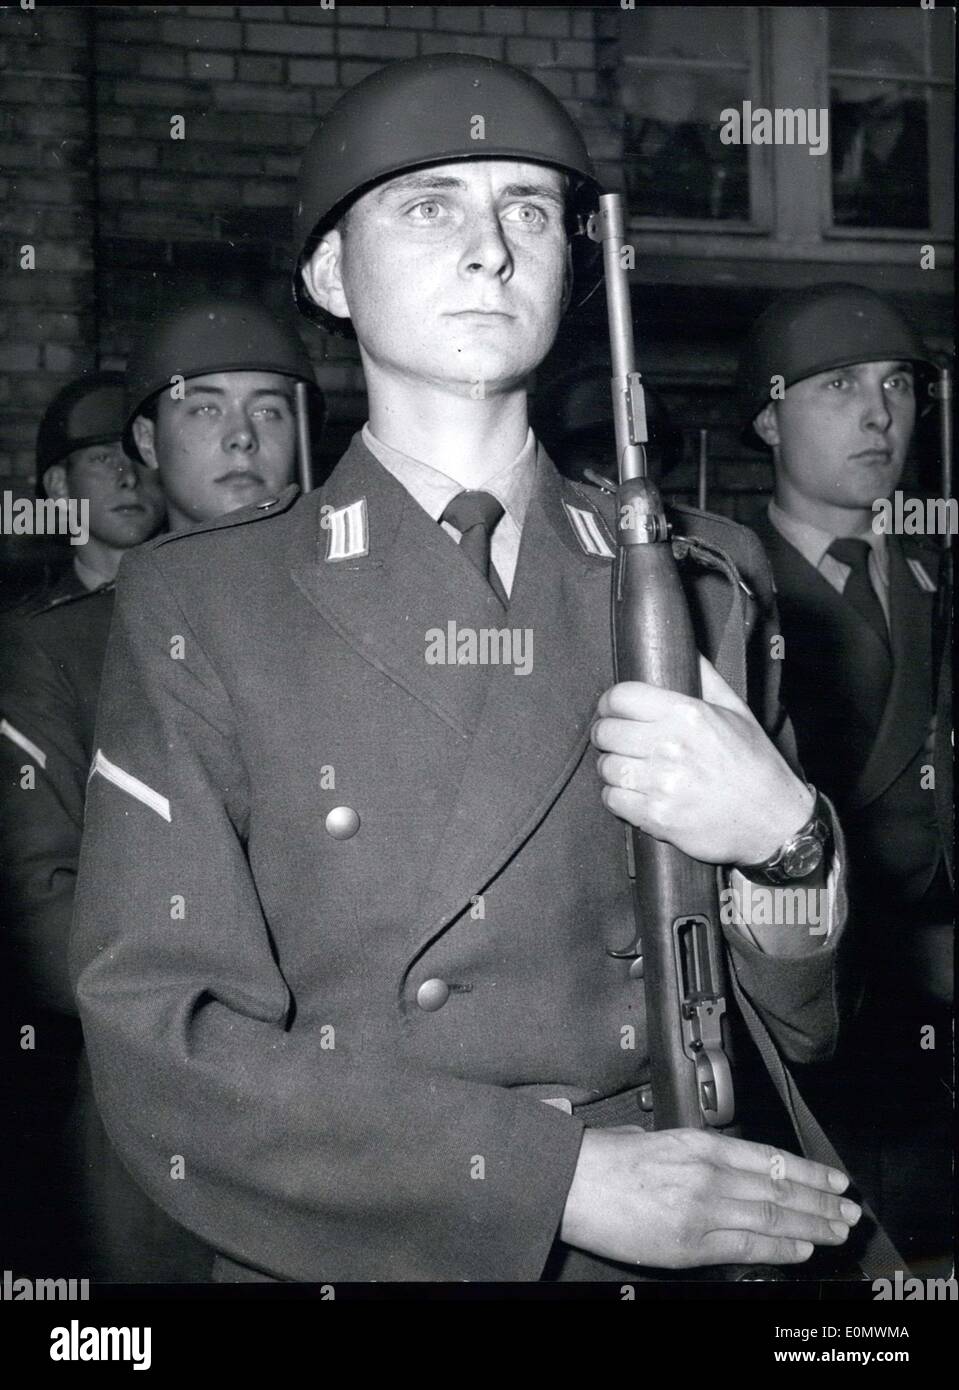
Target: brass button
(636, 968)
(432, 995)
(646, 1098)
(342, 823)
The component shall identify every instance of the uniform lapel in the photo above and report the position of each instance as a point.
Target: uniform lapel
(905, 720)
(410, 583)
(534, 727)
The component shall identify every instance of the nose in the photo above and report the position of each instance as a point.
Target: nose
(876, 414)
(240, 435)
(486, 252)
(128, 474)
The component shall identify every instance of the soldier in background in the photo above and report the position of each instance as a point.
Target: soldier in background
(863, 664)
(79, 456)
(229, 439)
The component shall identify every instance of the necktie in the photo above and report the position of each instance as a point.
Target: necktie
(475, 515)
(876, 664)
(858, 590)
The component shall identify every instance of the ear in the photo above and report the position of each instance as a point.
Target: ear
(55, 481)
(767, 426)
(322, 276)
(144, 434)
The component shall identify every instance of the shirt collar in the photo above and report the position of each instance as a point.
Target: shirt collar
(87, 575)
(433, 490)
(812, 542)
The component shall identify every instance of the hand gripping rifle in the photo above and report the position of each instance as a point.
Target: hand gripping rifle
(675, 898)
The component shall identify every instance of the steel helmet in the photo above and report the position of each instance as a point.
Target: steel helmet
(88, 411)
(423, 111)
(814, 330)
(213, 334)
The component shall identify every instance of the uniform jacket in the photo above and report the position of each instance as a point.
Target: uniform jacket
(50, 670)
(346, 1037)
(896, 833)
(51, 658)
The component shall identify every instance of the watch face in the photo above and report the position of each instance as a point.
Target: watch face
(803, 858)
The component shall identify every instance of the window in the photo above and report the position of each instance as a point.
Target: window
(891, 114)
(678, 70)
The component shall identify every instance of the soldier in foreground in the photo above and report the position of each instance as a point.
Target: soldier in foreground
(231, 438)
(352, 1002)
(863, 656)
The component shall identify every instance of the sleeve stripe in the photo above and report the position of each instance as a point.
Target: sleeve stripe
(130, 784)
(21, 740)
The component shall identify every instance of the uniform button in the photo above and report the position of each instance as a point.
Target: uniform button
(342, 823)
(646, 1098)
(636, 969)
(432, 995)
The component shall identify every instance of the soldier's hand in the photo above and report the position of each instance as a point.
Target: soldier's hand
(701, 774)
(681, 1198)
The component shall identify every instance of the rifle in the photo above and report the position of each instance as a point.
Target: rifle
(675, 898)
(304, 452)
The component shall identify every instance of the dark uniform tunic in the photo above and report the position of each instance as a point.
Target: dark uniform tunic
(71, 1199)
(888, 770)
(344, 915)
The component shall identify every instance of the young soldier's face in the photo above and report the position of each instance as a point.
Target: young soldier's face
(125, 499)
(843, 435)
(453, 275)
(228, 443)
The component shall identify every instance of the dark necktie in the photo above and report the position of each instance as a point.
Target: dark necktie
(858, 589)
(475, 514)
(874, 662)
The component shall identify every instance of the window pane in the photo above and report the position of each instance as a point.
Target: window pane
(679, 69)
(688, 31)
(880, 154)
(885, 40)
(884, 116)
(674, 162)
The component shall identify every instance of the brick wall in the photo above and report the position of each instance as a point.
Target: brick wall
(47, 314)
(214, 209)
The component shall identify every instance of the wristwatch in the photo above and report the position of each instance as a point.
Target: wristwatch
(801, 855)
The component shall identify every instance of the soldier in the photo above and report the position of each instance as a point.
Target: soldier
(351, 999)
(859, 681)
(230, 438)
(80, 458)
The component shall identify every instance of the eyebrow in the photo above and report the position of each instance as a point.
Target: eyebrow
(429, 181)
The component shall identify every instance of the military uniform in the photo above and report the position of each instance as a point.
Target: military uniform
(87, 1212)
(344, 917)
(865, 672)
(898, 841)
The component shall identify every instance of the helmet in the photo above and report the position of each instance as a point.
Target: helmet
(212, 334)
(88, 411)
(815, 330)
(423, 111)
